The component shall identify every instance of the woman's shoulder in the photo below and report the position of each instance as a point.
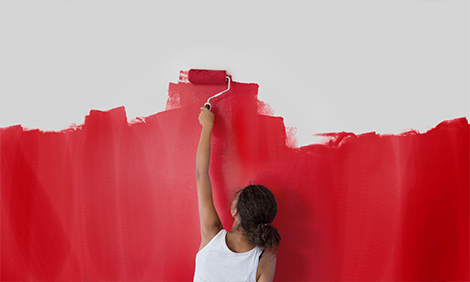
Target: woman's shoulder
(268, 255)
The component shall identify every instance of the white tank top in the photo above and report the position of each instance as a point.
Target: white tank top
(216, 262)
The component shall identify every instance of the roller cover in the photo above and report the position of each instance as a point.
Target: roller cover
(198, 76)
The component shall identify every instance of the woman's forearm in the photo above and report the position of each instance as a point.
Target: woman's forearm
(203, 151)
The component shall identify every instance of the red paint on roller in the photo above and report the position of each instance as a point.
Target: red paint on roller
(112, 201)
(201, 76)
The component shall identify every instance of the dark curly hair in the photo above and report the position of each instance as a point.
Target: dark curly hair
(257, 208)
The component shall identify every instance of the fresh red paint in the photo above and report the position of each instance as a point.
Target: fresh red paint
(116, 201)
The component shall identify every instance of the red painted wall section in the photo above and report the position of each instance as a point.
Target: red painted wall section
(112, 200)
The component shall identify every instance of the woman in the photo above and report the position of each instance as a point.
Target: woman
(247, 251)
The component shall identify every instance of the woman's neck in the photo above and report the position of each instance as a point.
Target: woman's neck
(237, 240)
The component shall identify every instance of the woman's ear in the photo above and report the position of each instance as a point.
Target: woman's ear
(233, 209)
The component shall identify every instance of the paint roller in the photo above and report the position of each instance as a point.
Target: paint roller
(203, 76)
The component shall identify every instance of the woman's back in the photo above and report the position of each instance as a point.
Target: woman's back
(216, 262)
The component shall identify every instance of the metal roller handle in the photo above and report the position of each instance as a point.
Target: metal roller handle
(207, 104)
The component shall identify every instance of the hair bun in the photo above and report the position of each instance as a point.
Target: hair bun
(265, 236)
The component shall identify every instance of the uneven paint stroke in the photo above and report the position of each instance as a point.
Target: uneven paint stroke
(116, 201)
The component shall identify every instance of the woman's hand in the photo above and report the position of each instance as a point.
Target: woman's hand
(206, 118)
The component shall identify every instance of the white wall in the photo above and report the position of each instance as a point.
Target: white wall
(325, 66)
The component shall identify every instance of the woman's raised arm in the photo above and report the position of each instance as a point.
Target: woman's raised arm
(209, 219)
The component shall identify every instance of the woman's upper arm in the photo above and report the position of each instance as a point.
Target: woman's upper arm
(209, 219)
(267, 267)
